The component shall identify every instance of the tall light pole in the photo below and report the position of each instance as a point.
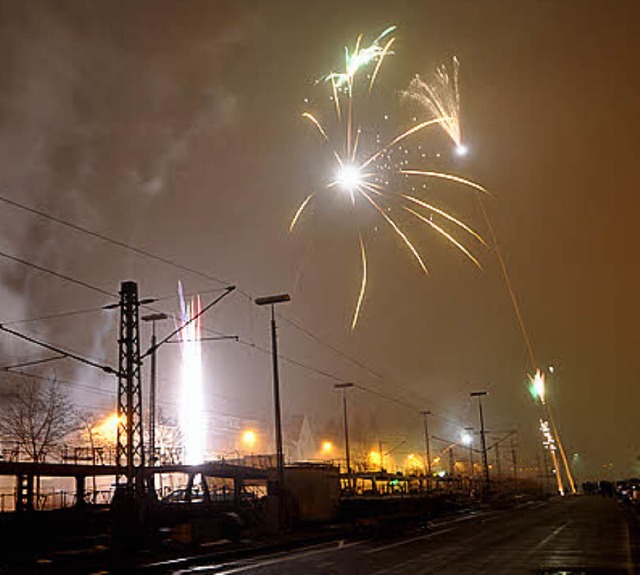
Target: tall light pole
(485, 463)
(427, 445)
(153, 318)
(272, 300)
(344, 387)
(468, 439)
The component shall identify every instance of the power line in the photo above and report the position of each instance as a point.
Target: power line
(112, 393)
(108, 369)
(359, 364)
(186, 323)
(32, 362)
(69, 354)
(115, 242)
(72, 313)
(54, 316)
(210, 277)
(339, 379)
(56, 274)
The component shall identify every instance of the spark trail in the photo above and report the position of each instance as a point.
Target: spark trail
(375, 174)
(441, 98)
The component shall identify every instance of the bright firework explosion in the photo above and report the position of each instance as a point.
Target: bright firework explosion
(192, 398)
(368, 170)
(441, 97)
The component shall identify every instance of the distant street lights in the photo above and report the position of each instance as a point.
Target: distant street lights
(272, 301)
(479, 395)
(344, 387)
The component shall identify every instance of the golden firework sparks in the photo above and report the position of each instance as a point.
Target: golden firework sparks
(364, 167)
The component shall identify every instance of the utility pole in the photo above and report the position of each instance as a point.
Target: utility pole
(153, 318)
(344, 387)
(272, 301)
(452, 464)
(498, 462)
(427, 445)
(545, 463)
(515, 463)
(479, 395)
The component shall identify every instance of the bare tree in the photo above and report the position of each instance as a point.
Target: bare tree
(37, 416)
(169, 438)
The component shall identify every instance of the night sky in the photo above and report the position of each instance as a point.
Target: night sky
(175, 126)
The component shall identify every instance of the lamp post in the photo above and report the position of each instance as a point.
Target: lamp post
(427, 444)
(153, 318)
(468, 439)
(479, 395)
(272, 301)
(344, 387)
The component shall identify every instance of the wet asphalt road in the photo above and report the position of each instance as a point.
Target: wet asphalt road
(586, 535)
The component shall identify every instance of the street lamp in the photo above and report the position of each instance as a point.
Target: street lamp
(344, 387)
(272, 301)
(485, 463)
(153, 318)
(425, 415)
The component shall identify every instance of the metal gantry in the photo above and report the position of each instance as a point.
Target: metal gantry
(130, 437)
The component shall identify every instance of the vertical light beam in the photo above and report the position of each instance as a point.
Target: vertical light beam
(192, 393)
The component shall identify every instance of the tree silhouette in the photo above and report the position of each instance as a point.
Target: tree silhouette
(37, 415)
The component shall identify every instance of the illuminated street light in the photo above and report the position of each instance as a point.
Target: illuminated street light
(413, 462)
(249, 439)
(327, 447)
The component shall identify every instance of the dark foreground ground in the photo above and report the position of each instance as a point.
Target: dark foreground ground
(586, 535)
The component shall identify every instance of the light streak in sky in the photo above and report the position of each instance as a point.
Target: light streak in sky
(550, 445)
(551, 436)
(441, 97)
(374, 173)
(192, 420)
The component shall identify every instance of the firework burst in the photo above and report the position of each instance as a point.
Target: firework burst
(441, 97)
(376, 174)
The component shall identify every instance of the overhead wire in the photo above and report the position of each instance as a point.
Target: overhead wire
(210, 277)
(113, 241)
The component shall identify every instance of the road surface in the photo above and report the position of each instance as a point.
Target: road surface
(582, 535)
